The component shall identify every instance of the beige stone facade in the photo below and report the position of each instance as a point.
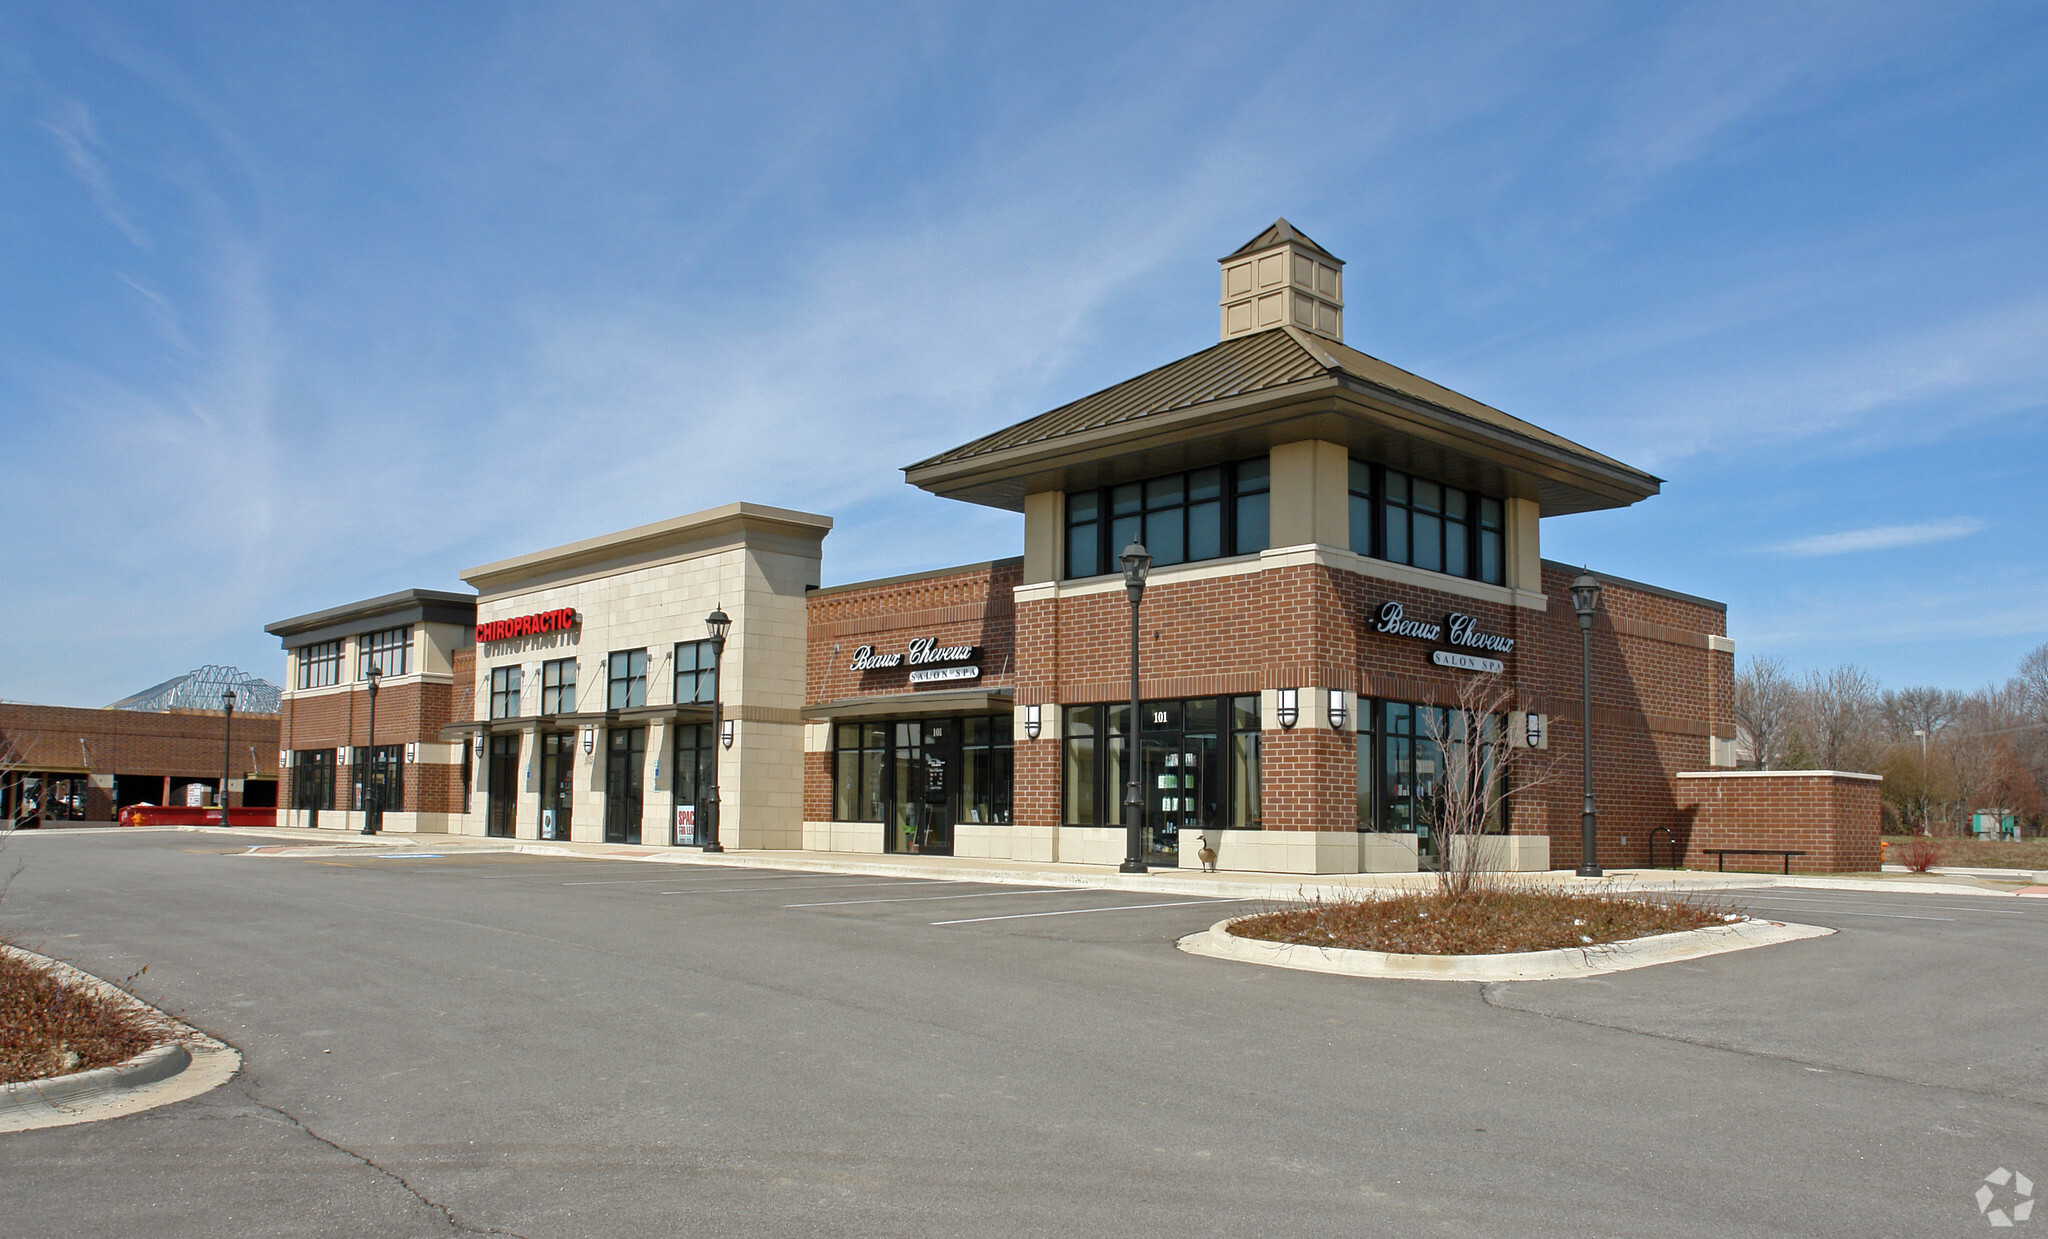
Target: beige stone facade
(650, 589)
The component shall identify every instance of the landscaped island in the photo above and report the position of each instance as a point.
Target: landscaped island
(1480, 921)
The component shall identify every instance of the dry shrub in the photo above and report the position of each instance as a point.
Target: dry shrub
(1486, 920)
(1919, 853)
(49, 1029)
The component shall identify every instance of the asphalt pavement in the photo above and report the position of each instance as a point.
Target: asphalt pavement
(502, 1044)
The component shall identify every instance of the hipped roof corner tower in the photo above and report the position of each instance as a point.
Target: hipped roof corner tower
(1281, 374)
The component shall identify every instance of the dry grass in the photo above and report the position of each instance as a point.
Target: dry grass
(1484, 921)
(1975, 853)
(48, 1029)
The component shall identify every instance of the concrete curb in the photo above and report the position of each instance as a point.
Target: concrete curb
(1217, 942)
(1229, 884)
(188, 1064)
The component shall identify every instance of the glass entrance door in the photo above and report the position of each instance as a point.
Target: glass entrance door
(694, 755)
(923, 789)
(557, 783)
(502, 806)
(625, 757)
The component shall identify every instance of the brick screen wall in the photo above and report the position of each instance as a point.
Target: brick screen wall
(1831, 817)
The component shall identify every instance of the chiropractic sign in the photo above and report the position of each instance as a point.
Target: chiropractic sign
(1456, 629)
(931, 661)
(526, 625)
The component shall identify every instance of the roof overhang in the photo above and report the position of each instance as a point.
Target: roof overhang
(412, 606)
(1372, 420)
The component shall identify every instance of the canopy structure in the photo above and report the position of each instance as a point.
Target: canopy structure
(202, 689)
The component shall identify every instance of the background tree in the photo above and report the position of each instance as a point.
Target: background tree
(1835, 713)
(1765, 698)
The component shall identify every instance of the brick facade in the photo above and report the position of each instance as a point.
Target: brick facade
(412, 712)
(1661, 666)
(152, 752)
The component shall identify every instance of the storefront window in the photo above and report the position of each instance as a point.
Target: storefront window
(628, 679)
(985, 770)
(1180, 517)
(504, 692)
(1080, 764)
(1198, 766)
(860, 750)
(694, 755)
(1401, 789)
(558, 687)
(385, 768)
(313, 779)
(696, 673)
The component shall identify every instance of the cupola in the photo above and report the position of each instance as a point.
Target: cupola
(1281, 278)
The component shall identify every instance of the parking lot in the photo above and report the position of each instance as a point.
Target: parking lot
(551, 1047)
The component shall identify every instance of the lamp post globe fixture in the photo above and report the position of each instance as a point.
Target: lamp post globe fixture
(227, 747)
(369, 775)
(1137, 563)
(1586, 601)
(718, 624)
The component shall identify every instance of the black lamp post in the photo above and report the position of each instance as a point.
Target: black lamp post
(1586, 600)
(227, 745)
(1137, 562)
(719, 624)
(369, 776)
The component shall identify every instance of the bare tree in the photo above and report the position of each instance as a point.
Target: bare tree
(1835, 712)
(1765, 698)
(1478, 763)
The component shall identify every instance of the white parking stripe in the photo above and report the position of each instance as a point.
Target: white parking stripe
(1890, 916)
(1876, 903)
(841, 903)
(729, 890)
(1126, 907)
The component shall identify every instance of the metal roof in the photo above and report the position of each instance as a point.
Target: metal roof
(201, 690)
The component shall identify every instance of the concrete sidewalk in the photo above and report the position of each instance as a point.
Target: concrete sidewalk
(1228, 885)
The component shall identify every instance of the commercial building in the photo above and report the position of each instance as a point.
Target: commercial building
(369, 688)
(1346, 577)
(169, 745)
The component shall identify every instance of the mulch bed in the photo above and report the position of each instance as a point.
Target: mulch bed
(48, 1029)
(1481, 922)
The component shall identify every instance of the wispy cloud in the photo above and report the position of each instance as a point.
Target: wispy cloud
(77, 137)
(1879, 538)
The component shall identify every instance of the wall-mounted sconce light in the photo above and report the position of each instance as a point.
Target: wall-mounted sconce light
(1336, 709)
(1031, 723)
(725, 733)
(1287, 707)
(412, 752)
(1532, 730)
(589, 739)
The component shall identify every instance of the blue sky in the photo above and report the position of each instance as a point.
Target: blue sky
(305, 303)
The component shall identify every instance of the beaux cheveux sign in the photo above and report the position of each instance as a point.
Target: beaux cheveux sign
(1456, 629)
(927, 656)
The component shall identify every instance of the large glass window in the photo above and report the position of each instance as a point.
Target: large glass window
(696, 673)
(388, 651)
(1199, 764)
(384, 766)
(628, 679)
(312, 779)
(861, 750)
(504, 692)
(985, 769)
(1426, 524)
(1406, 750)
(320, 664)
(694, 755)
(1180, 517)
(558, 687)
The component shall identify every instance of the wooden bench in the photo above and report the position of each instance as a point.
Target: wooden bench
(1721, 855)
